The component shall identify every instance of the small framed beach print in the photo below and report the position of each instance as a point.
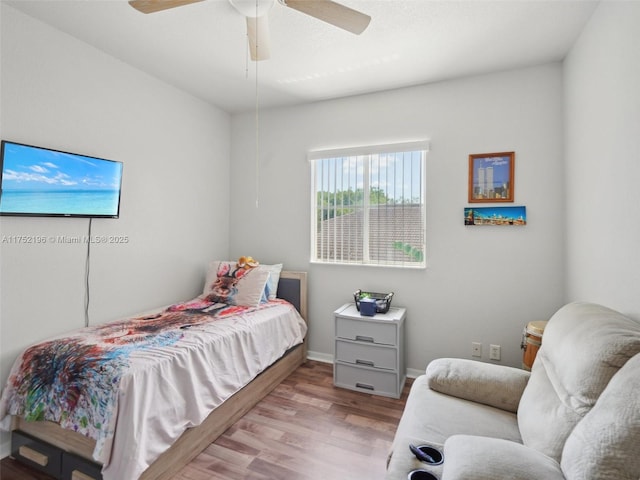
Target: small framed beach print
(491, 177)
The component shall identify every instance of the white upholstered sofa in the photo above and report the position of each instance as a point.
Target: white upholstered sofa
(575, 416)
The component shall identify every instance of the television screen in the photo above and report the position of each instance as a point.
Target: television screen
(43, 182)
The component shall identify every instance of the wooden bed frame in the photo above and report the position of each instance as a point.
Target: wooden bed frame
(292, 287)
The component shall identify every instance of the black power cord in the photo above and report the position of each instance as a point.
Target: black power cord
(86, 277)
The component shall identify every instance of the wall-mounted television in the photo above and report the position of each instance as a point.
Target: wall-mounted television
(40, 181)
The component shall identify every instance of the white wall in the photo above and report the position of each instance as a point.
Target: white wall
(482, 283)
(60, 93)
(602, 105)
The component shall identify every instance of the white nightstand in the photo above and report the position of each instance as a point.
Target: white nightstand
(369, 351)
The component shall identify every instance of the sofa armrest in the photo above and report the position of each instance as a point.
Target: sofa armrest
(469, 457)
(494, 385)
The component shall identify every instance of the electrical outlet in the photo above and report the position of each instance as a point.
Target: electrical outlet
(476, 349)
(494, 352)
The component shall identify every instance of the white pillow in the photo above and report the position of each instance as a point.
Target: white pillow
(274, 278)
(226, 283)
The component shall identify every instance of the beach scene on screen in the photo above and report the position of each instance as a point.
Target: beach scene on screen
(41, 181)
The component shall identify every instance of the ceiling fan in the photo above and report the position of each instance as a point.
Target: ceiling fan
(256, 11)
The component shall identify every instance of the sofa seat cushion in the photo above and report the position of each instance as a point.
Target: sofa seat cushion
(431, 417)
(481, 458)
(583, 346)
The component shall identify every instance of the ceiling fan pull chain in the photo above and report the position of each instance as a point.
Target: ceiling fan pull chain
(246, 60)
(257, 118)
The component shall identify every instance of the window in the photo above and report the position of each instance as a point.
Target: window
(368, 205)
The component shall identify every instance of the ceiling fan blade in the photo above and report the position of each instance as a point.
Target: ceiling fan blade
(333, 13)
(152, 6)
(259, 38)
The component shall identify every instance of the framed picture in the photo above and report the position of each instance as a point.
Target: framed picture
(491, 177)
(495, 216)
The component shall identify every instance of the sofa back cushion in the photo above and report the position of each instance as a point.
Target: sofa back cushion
(583, 346)
(605, 443)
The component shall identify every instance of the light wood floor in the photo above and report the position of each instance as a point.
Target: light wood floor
(306, 429)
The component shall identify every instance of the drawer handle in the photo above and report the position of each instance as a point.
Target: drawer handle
(365, 386)
(368, 363)
(36, 457)
(364, 339)
(78, 475)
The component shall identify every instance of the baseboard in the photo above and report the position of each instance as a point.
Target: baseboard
(414, 372)
(320, 357)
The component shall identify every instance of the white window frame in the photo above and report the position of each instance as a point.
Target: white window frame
(366, 153)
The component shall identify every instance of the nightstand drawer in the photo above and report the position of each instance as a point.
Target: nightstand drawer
(370, 332)
(366, 380)
(36, 453)
(366, 355)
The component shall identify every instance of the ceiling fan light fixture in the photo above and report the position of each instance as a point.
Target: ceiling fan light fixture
(259, 38)
(253, 8)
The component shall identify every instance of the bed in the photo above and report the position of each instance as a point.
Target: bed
(169, 404)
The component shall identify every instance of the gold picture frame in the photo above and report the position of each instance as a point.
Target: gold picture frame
(491, 177)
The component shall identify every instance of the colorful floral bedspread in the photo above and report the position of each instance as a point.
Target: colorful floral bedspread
(70, 380)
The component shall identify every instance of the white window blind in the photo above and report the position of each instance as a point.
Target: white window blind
(368, 205)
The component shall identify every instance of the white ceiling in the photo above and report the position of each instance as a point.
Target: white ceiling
(202, 48)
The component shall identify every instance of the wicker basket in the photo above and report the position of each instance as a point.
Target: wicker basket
(383, 300)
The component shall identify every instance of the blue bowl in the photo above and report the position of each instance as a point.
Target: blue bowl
(367, 307)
